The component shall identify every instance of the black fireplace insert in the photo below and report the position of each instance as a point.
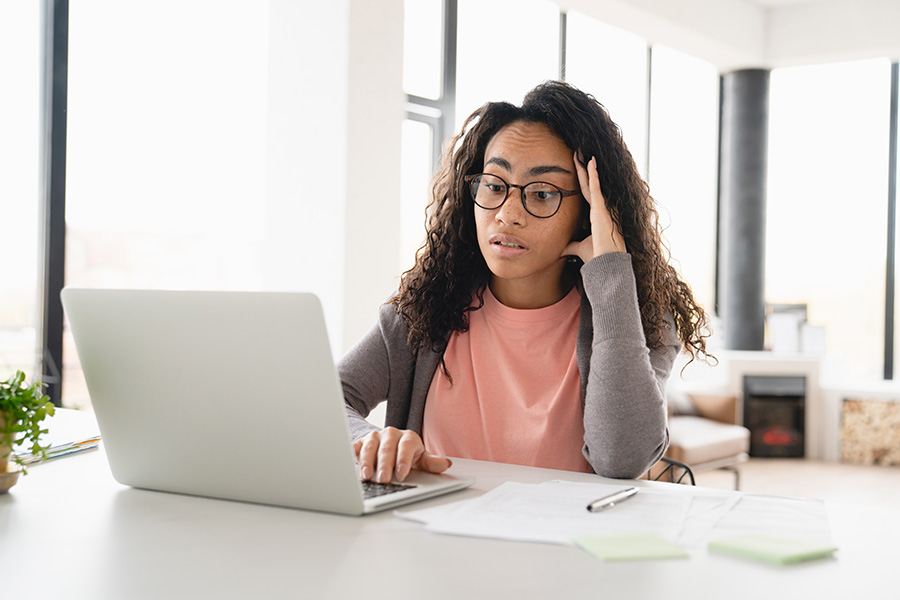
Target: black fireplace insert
(775, 414)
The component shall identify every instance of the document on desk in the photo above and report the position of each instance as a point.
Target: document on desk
(796, 518)
(556, 512)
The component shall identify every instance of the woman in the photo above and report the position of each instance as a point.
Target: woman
(541, 320)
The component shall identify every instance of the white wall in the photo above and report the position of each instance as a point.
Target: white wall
(305, 151)
(335, 108)
(376, 109)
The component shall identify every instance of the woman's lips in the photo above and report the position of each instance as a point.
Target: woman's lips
(507, 245)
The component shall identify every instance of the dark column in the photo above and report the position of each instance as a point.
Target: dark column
(890, 275)
(742, 207)
(53, 183)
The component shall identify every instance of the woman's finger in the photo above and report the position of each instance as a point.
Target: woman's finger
(387, 454)
(594, 185)
(409, 451)
(434, 463)
(367, 453)
(583, 180)
(605, 234)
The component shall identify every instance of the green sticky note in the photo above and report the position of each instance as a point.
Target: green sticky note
(773, 549)
(630, 546)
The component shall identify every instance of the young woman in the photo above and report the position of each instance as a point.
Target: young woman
(541, 320)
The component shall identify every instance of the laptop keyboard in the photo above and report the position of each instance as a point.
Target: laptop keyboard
(373, 490)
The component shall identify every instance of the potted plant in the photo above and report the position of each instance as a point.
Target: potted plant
(22, 408)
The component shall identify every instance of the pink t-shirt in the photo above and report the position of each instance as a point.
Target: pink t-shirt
(516, 391)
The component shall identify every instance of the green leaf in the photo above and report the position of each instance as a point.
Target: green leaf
(22, 408)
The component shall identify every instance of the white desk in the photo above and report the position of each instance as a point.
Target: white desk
(68, 530)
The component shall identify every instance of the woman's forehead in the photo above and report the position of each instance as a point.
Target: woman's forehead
(522, 143)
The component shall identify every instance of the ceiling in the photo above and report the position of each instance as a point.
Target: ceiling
(782, 3)
(736, 34)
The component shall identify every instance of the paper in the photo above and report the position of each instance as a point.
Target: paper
(707, 510)
(795, 518)
(630, 546)
(773, 549)
(556, 512)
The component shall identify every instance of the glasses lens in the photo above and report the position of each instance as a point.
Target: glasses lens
(542, 199)
(488, 191)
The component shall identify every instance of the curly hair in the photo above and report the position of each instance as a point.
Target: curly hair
(436, 294)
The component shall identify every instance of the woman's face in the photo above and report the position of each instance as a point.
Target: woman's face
(524, 252)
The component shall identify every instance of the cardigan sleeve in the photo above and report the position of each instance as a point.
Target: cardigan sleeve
(381, 367)
(365, 379)
(625, 419)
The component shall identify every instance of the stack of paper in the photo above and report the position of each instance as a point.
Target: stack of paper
(556, 512)
(655, 523)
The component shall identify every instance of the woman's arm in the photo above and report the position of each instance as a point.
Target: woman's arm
(365, 378)
(625, 418)
(625, 428)
(382, 368)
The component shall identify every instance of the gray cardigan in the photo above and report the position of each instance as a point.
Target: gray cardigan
(622, 382)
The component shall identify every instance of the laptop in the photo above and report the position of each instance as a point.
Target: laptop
(230, 395)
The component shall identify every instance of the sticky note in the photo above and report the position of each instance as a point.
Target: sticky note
(630, 546)
(772, 549)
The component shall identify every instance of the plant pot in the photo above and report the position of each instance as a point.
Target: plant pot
(9, 474)
(8, 479)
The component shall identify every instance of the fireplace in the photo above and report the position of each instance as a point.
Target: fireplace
(774, 412)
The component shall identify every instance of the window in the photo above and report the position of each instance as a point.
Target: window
(166, 150)
(20, 196)
(827, 204)
(416, 169)
(422, 48)
(505, 48)
(424, 30)
(684, 142)
(611, 64)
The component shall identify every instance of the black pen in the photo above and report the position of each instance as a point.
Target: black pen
(611, 500)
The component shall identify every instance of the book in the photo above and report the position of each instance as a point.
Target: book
(58, 451)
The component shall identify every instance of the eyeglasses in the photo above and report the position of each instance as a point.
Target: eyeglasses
(540, 199)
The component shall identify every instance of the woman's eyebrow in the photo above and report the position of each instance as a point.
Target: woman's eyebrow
(500, 162)
(532, 172)
(542, 170)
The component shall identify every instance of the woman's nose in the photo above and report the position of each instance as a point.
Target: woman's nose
(512, 211)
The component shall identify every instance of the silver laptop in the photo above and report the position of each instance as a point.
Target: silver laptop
(229, 395)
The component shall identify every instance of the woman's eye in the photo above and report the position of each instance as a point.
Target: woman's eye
(544, 195)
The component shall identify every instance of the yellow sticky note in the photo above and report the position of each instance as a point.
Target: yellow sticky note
(630, 546)
(773, 549)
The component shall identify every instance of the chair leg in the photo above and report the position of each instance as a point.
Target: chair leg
(737, 476)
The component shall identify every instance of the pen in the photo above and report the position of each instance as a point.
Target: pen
(611, 500)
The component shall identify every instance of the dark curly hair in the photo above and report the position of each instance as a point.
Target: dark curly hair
(437, 293)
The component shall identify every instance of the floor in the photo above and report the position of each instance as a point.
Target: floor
(839, 482)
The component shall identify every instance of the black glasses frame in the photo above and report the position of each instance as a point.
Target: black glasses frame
(471, 180)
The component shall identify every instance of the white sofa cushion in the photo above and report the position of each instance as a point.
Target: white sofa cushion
(695, 440)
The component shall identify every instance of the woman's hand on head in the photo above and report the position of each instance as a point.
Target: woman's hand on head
(392, 453)
(605, 235)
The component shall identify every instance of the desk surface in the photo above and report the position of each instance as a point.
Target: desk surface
(69, 530)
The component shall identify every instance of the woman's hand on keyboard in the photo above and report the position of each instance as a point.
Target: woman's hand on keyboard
(393, 453)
